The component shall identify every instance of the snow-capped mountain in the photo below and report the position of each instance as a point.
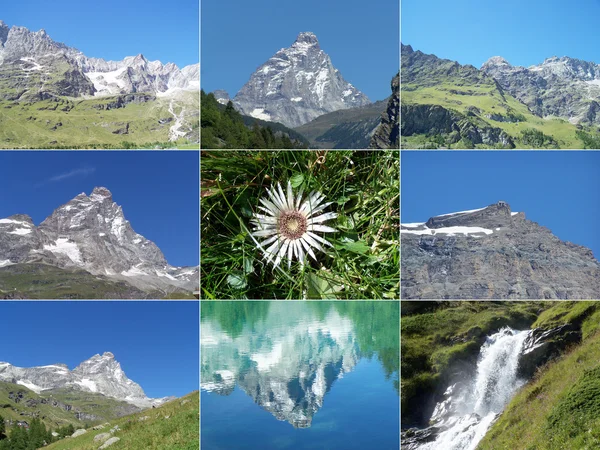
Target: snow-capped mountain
(563, 87)
(493, 252)
(286, 366)
(100, 374)
(91, 233)
(296, 85)
(41, 68)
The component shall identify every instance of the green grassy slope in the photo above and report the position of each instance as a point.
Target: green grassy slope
(42, 281)
(90, 123)
(343, 129)
(172, 426)
(560, 407)
(30, 404)
(476, 98)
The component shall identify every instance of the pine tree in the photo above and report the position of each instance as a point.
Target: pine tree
(19, 438)
(2, 428)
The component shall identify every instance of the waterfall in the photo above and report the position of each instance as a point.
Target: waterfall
(471, 406)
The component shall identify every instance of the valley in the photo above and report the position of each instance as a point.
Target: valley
(53, 96)
(449, 105)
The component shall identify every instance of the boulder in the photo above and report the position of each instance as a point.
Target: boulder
(108, 443)
(78, 432)
(102, 437)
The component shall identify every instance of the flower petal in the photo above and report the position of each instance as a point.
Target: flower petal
(272, 207)
(281, 252)
(289, 254)
(323, 217)
(282, 196)
(322, 228)
(319, 238)
(318, 209)
(312, 242)
(264, 232)
(307, 248)
(290, 196)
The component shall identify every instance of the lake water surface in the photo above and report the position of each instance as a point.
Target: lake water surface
(300, 375)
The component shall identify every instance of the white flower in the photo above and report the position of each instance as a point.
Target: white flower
(290, 224)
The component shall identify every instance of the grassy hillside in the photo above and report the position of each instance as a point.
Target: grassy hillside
(172, 426)
(125, 121)
(346, 128)
(59, 407)
(43, 281)
(560, 407)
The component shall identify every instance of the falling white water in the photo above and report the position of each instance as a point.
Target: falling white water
(471, 407)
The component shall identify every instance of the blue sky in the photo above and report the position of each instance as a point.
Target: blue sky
(113, 29)
(155, 342)
(523, 32)
(157, 190)
(360, 38)
(559, 190)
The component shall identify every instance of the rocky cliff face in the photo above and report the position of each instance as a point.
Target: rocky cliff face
(493, 253)
(296, 85)
(91, 233)
(387, 134)
(100, 374)
(559, 87)
(34, 67)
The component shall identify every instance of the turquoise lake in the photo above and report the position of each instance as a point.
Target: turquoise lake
(300, 375)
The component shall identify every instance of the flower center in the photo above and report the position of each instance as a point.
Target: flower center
(292, 224)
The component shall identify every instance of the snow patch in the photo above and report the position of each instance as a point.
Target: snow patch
(88, 384)
(460, 212)
(29, 385)
(450, 231)
(107, 83)
(296, 99)
(260, 113)
(64, 247)
(5, 263)
(21, 231)
(134, 272)
(412, 224)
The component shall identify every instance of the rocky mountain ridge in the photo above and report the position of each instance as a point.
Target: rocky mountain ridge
(296, 85)
(91, 233)
(35, 67)
(387, 134)
(100, 374)
(493, 252)
(559, 87)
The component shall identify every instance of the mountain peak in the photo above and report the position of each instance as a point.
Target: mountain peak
(108, 355)
(306, 38)
(296, 85)
(497, 61)
(101, 193)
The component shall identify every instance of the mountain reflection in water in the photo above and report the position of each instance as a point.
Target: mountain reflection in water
(287, 356)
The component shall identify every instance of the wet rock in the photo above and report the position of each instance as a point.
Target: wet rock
(542, 346)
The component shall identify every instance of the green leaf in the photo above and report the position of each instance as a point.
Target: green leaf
(359, 247)
(297, 180)
(236, 281)
(248, 264)
(319, 288)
